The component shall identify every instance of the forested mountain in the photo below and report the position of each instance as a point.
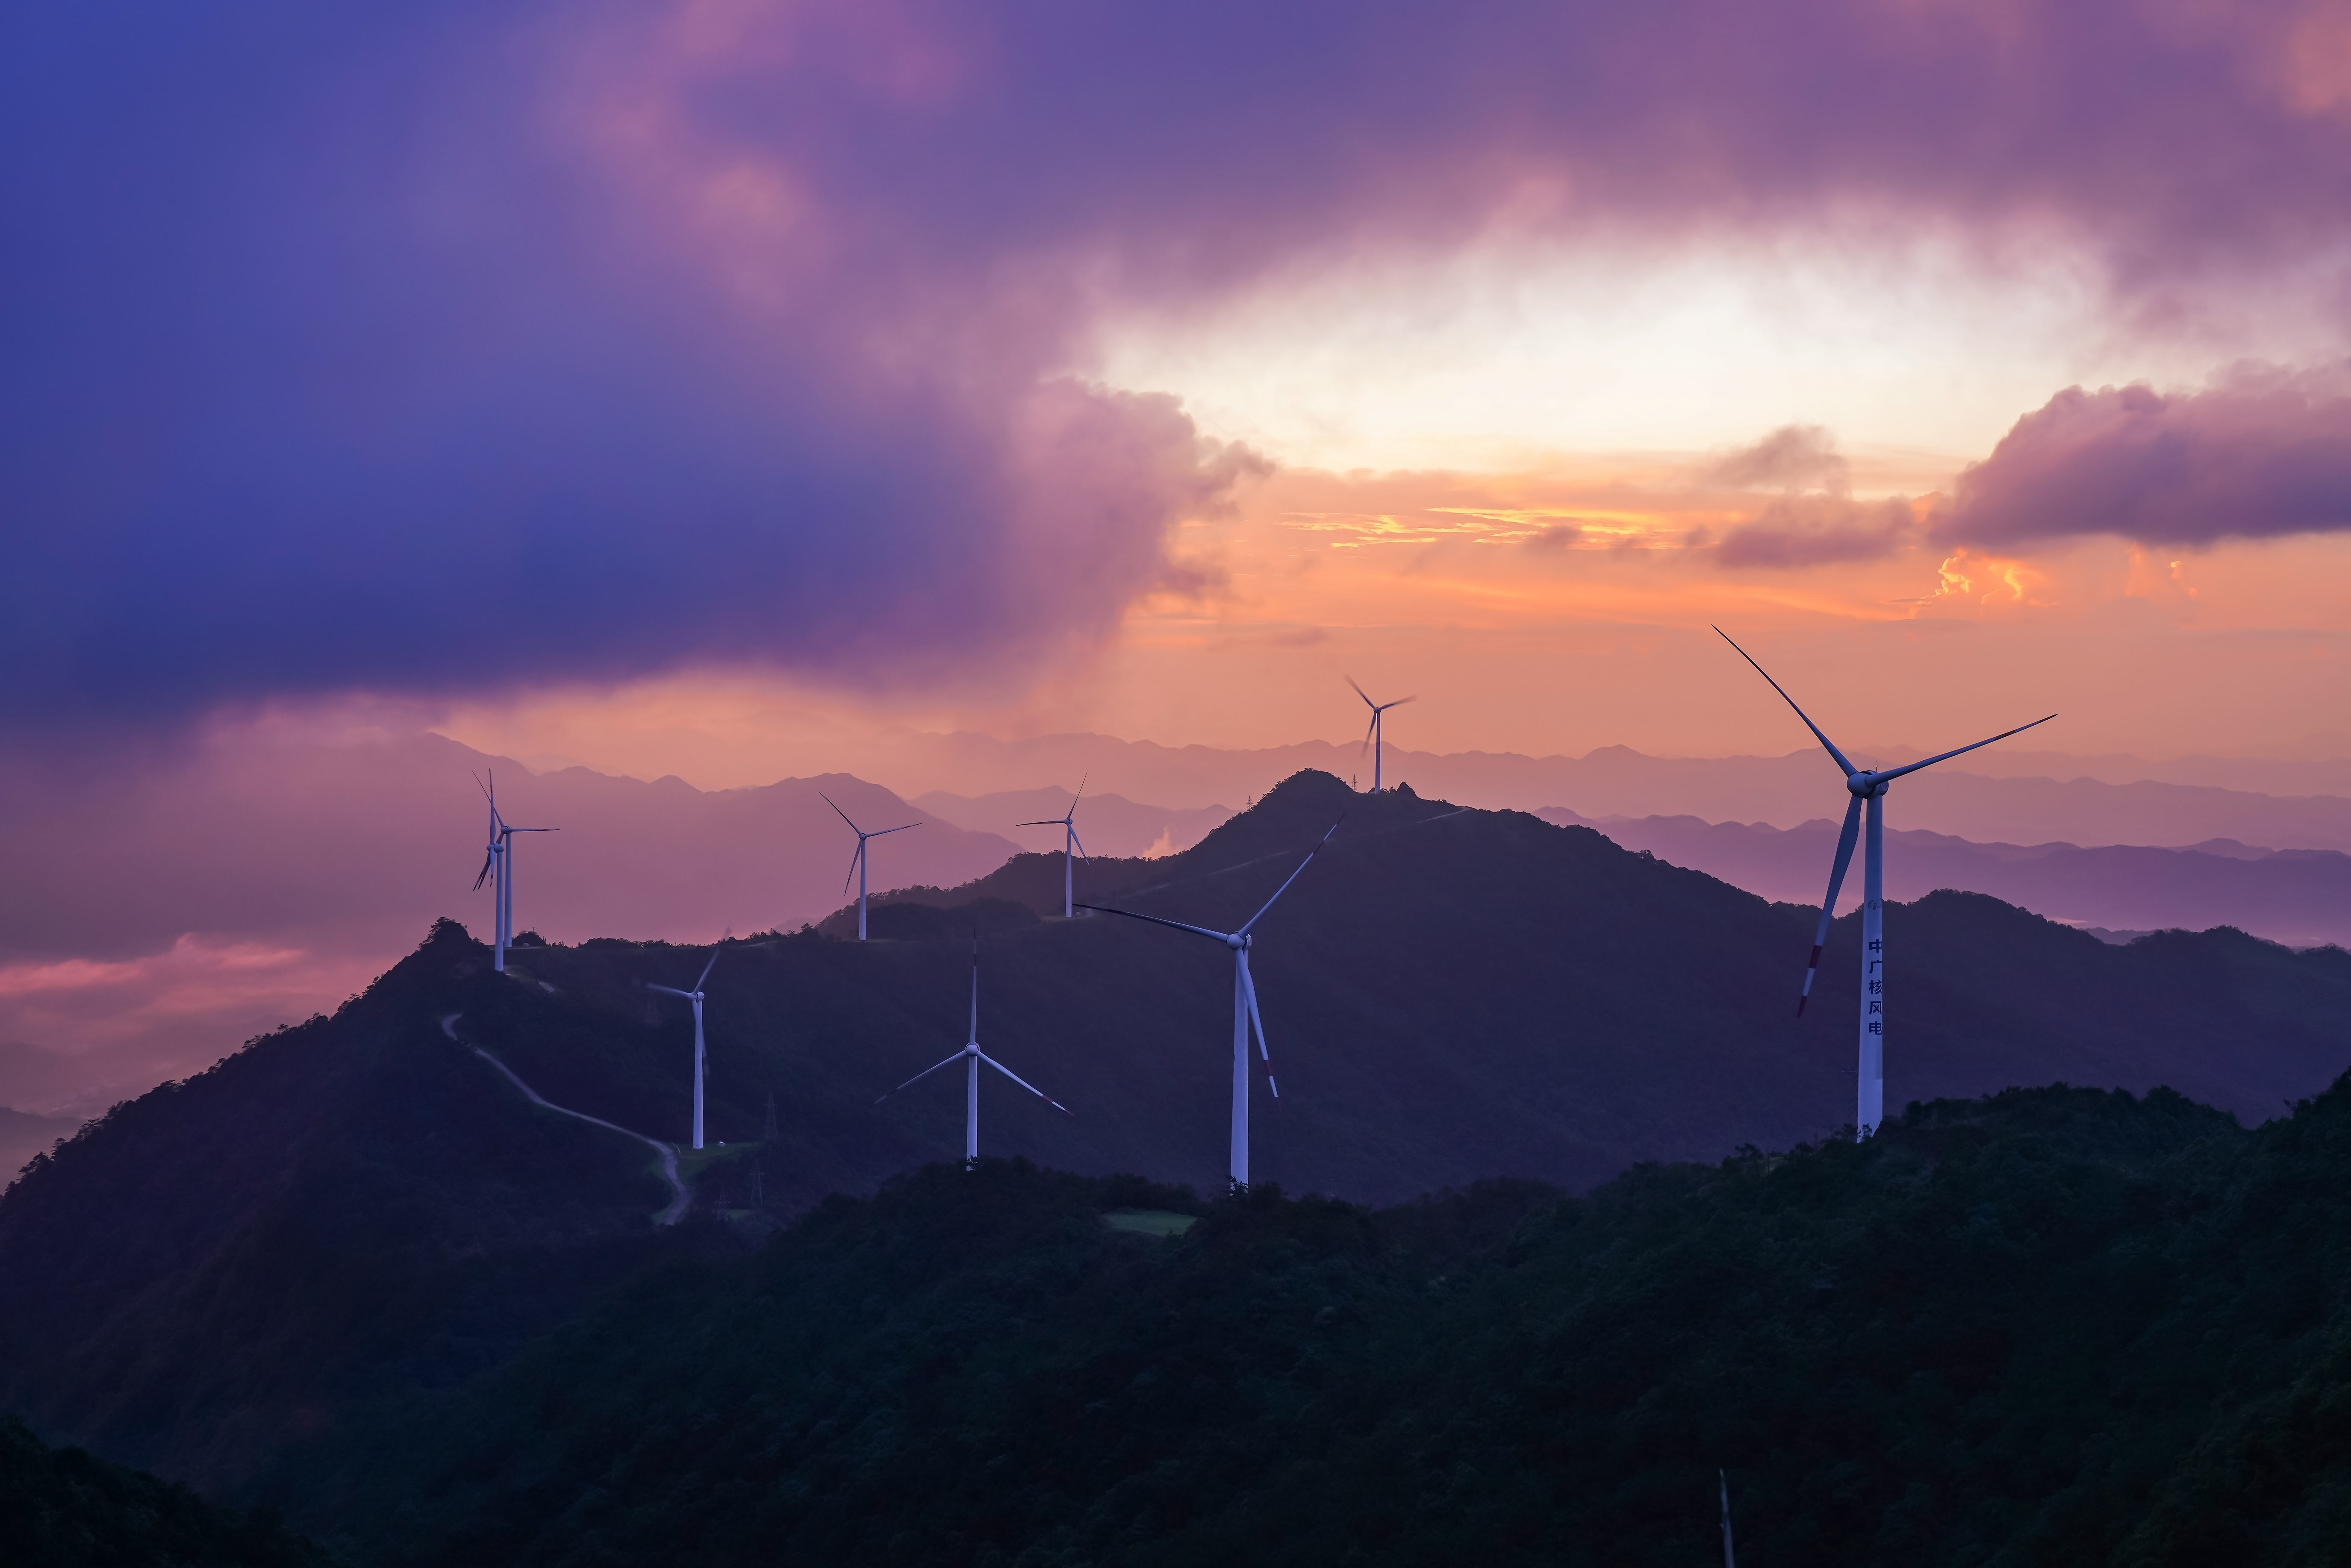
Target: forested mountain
(63, 1508)
(2058, 1327)
(355, 1213)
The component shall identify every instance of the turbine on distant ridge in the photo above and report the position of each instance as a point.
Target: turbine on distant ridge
(1071, 848)
(857, 860)
(1730, 1559)
(1375, 737)
(971, 1056)
(694, 996)
(500, 860)
(1245, 1010)
(1865, 787)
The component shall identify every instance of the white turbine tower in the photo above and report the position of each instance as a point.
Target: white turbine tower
(500, 860)
(694, 996)
(1375, 737)
(1867, 786)
(1245, 1010)
(857, 860)
(1072, 849)
(971, 1056)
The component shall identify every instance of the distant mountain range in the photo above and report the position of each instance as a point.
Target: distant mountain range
(360, 1207)
(1107, 824)
(2028, 797)
(2301, 898)
(159, 911)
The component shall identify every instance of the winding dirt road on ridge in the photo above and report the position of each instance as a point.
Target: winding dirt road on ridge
(668, 1152)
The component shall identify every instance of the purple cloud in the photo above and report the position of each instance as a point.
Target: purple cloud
(1798, 456)
(2260, 453)
(443, 346)
(1817, 530)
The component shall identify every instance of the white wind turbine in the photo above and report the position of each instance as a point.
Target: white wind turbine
(500, 860)
(694, 996)
(971, 1056)
(1245, 1010)
(1375, 737)
(857, 860)
(1865, 787)
(1072, 849)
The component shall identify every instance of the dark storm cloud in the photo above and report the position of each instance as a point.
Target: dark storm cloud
(2260, 453)
(440, 346)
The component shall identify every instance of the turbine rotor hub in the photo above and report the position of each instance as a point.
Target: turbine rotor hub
(1864, 784)
(1238, 944)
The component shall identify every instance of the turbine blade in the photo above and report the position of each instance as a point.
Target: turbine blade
(1851, 831)
(1048, 822)
(1249, 989)
(1082, 792)
(855, 855)
(487, 860)
(899, 829)
(672, 990)
(926, 1071)
(1929, 762)
(1849, 768)
(1398, 703)
(839, 812)
(1293, 877)
(1024, 1083)
(1177, 924)
(1369, 730)
(1082, 845)
(714, 958)
(1362, 694)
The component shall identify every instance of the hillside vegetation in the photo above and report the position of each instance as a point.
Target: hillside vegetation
(360, 1215)
(63, 1508)
(2058, 1326)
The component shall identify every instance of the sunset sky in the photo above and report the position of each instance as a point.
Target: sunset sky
(1137, 369)
(686, 387)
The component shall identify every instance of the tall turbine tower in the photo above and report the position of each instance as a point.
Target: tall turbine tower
(500, 860)
(971, 1056)
(694, 996)
(1866, 788)
(1245, 1011)
(857, 860)
(1375, 737)
(1070, 847)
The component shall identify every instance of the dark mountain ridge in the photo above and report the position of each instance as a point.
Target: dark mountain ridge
(360, 1210)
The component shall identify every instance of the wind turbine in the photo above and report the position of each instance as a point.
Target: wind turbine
(1070, 847)
(1375, 737)
(857, 860)
(694, 996)
(1729, 1558)
(971, 1056)
(1245, 1011)
(500, 860)
(1867, 786)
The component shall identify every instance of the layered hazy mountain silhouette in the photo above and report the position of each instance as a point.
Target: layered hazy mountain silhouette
(2302, 897)
(362, 1204)
(159, 909)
